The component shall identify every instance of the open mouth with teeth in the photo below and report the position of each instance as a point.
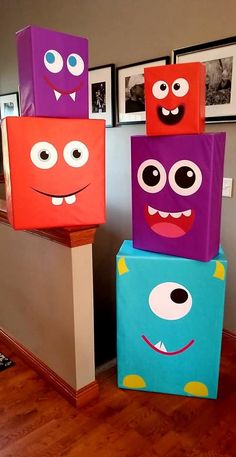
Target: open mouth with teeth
(170, 117)
(59, 92)
(161, 349)
(170, 225)
(58, 199)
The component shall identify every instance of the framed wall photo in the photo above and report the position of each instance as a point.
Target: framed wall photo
(9, 105)
(102, 94)
(130, 90)
(220, 60)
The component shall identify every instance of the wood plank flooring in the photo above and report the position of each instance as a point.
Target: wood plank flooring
(36, 421)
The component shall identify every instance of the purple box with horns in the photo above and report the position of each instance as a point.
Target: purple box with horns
(176, 194)
(53, 73)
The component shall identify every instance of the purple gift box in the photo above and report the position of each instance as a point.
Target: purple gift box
(53, 73)
(177, 193)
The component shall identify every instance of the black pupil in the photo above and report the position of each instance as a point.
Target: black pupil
(185, 177)
(179, 296)
(163, 86)
(44, 155)
(151, 175)
(76, 154)
(176, 86)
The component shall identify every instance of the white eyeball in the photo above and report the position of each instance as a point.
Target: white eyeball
(185, 177)
(53, 61)
(43, 155)
(75, 64)
(160, 89)
(180, 87)
(151, 176)
(170, 301)
(76, 154)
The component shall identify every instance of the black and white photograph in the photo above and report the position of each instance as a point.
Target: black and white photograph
(9, 105)
(101, 94)
(130, 90)
(219, 58)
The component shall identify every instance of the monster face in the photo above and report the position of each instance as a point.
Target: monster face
(53, 73)
(55, 171)
(175, 99)
(176, 183)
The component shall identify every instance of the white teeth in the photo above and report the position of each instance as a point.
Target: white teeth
(187, 212)
(163, 214)
(71, 199)
(152, 210)
(175, 111)
(57, 200)
(72, 95)
(57, 94)
(166, 112)
(176, 215)
(161, 346)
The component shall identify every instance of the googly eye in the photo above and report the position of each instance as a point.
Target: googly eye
(180, 87)
(170, 301)
(160, 89)
(151, 176)
(76, 154)
(43, 155)
(185, 177)
(53, 61)
(75, 64)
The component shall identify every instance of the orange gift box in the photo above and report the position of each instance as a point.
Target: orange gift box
(54, 171)
(175, 99)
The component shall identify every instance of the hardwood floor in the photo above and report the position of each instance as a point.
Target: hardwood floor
(36, 421)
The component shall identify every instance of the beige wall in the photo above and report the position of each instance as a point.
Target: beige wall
(122, 32)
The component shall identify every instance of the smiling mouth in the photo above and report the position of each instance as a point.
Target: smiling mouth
(58, 199)
(169, 224)
(170, 117)
(161, 349)
(59, 92)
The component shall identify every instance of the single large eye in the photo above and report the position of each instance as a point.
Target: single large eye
(43, 155)
(151, 176)
(170, 301)
(53, 61)
(180, 87)
(185, 177)
(75, 64)
(160, 89)
(76, 154)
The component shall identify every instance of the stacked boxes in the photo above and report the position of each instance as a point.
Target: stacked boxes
(53, 155)
(171, 279)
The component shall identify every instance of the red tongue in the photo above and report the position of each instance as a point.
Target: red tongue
(168, 229)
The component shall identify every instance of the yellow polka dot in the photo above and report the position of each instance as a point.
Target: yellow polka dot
(219, 271)
(122, 267)
(134, 381)
(196, 388)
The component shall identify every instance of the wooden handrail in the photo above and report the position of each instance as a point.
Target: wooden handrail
(68, 236)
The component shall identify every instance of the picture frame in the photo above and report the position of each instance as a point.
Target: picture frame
(102, 93)
(131, 111)
(9, 105)
(220, 59)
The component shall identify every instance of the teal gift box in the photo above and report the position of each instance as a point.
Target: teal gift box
(169, 322)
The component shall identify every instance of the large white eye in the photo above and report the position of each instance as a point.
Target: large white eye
(75, 64)
(151, 176)
(43, 155)
(76, 154)
(180, 87)
(160, 89)
(185, 177)
(170, 301)
(53, 61)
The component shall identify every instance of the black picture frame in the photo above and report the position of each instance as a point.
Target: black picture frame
(9, 105)
(102, 105)
(220, 59)
(127, 75)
